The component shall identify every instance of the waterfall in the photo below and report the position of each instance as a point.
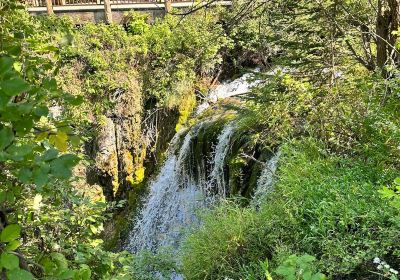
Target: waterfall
(227, 89)
(175, 195)
(265, 182)
(171, 202)
(217, 176)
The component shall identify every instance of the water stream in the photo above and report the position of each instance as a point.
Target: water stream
(175, 195)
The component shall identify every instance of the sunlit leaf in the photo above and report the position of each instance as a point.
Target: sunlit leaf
(10, 233)
(59, 140)
(13, 245)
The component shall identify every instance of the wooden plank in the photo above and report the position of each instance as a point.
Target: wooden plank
(75, 7)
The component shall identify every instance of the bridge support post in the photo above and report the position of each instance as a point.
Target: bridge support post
(107, 11)
(168, 6)
(49, 6)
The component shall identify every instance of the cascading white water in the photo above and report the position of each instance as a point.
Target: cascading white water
(217, 176)
(266, 180)
(236, 87)
(175, 196)
(171, 202)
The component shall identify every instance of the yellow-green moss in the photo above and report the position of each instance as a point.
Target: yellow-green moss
(139, 175)
(186, 107)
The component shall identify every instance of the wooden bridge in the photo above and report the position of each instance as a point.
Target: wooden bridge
(109, 10)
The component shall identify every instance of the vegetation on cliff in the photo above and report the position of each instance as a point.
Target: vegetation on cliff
(112, 96)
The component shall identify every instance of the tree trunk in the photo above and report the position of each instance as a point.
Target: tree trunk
(395, 24)
(387, 22)
(49, 6)
(107, 11)
(168, 6)
(382, 32)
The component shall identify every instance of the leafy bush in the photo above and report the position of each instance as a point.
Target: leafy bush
(323, 205)
(48, 229)
(299, 267)
(350, 118)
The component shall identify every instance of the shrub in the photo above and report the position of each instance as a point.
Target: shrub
(323, 205)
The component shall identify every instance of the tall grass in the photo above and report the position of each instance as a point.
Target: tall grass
(323, 205)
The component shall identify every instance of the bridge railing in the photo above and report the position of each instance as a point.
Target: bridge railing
(42, 3)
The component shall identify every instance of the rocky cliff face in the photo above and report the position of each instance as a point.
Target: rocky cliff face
(128, 147)
(119, 146)
(131, 139)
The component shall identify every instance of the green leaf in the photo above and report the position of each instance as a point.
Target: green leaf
(75, 140)
(23, 126)
(10, 197)
(24, 175)
(50, 84)
(14, 50)
(50, 154)
(93, 229)
(4, 100)
(387, 193)
(17, 66)
(305, 259)
(41, 111)
(5, 64)
(40, 175)
(3, 196)
(18, 153)
(10, 233)
(6, 137)
(75, 101)
(307, 275)
(61, 261)
(9, 261)
(49, 266)
(288, 272)
(66, 274)
(19, 274)
(397, 181)
(13, 245)
(14, 86)
(59, 141)
(61, 167)
(83, 274)
(318, 276)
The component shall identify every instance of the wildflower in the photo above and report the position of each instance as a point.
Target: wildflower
(377, 260)
(379, 267)
(387, 266)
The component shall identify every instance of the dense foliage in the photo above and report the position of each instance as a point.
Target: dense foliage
(329, 106)
(323, 205)
(334, 117)
(57, 82)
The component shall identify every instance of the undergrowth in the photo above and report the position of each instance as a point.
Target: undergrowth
(323, 205)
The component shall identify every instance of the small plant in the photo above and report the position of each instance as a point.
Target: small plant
(392, 193)
(385, 269)
(299, 268)
(265, 267)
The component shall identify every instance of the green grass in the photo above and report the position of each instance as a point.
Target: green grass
(323, 205)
